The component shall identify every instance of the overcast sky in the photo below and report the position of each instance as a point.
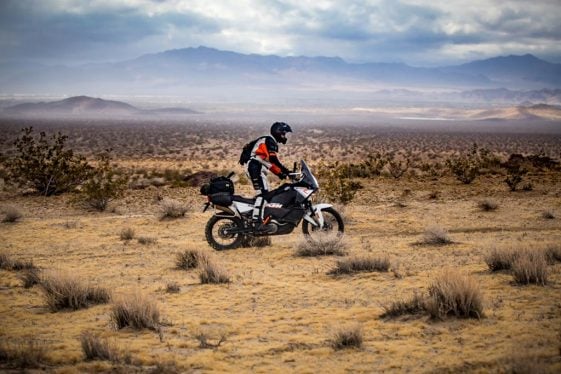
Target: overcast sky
(416, 32)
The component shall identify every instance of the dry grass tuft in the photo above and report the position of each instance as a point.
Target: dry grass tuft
(172, 209)
(96, 348)
(127, 234)
(8, 263)
(213, 273)
(190, 259)
(553, 253)
(30, 277)
(147, 240)
(323, 246)
(530, 267)
(64, 291)
(204, 339)
(136, 311)
(548, 214)
(172, 287)
(256, 242)
(413, 305)
(435, 236)
(347, 337)
(487, 205)
(30, 353)
(454, 294)
(11, 214)
(501, 258)
(361, 264)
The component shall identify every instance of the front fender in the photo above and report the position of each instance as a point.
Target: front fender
(317, 218)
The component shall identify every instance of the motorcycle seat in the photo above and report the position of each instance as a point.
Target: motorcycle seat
(242, 199)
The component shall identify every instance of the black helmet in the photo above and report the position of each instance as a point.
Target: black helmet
(279, 130)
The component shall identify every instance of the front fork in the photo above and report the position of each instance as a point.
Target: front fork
(315, 216)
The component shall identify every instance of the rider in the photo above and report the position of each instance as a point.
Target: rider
(262, 160)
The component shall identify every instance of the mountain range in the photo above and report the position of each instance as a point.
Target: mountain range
(209, 74)
(85, 106)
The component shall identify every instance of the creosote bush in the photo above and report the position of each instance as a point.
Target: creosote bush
(103, 184)
(454, 294)
(136, 311)
(96, 348)
(171, 208)
(46, 165)
(347, 337)
(191, 259)
(324, 246)
(211, 272)
(530, 267)
(435, 235)
(65, 291)
(361, 264)
(11, 214)
(411, 306)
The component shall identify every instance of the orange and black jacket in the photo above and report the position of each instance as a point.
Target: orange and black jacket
(265, 151)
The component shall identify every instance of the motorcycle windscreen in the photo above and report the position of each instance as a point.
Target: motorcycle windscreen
(307, 176)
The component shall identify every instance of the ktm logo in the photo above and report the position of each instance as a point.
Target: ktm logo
(274, 205)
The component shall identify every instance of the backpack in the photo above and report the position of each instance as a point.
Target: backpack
(245, 156)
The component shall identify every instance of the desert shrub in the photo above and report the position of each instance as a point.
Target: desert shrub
(454, 294)
(172, 209)
(30, 277)
(127, 233)
(11, 214)
(487, 205)
(501, 258)
(413, 305)
(46, 165)
(323, 246)
(435, 235)
(213, 273)
(173, 287)
(190, 259)
(64, 291)
(514, 176)
(5, 261)
(397, 168)
(347, 337)
(205, 338)
(135, 311)
(336, 183)
(466, 167)
(104, 184)
(25, 354)
(146, 240)
(95, 348)
(361, 264)
(530, 267)
(548, 214)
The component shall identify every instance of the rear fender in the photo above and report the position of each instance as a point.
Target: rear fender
(317, 218)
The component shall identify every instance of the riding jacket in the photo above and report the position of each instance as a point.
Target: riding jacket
(265, 152)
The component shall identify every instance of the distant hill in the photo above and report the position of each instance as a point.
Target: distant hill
(87, 106)
(534, 112)
(211, 74)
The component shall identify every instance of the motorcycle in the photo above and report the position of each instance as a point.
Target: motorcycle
(287, 206)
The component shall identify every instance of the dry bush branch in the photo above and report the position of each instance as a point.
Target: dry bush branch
(361, 264)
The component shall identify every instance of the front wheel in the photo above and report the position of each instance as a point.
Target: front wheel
(217, 235)
(333, 227)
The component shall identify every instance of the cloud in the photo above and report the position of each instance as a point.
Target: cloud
(417, 32)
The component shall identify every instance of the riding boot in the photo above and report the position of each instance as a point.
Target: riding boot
(257, 216)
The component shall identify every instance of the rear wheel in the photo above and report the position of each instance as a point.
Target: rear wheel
(333, 227)
(217, 235)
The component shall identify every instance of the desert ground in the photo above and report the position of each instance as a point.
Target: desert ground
(280, 312)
